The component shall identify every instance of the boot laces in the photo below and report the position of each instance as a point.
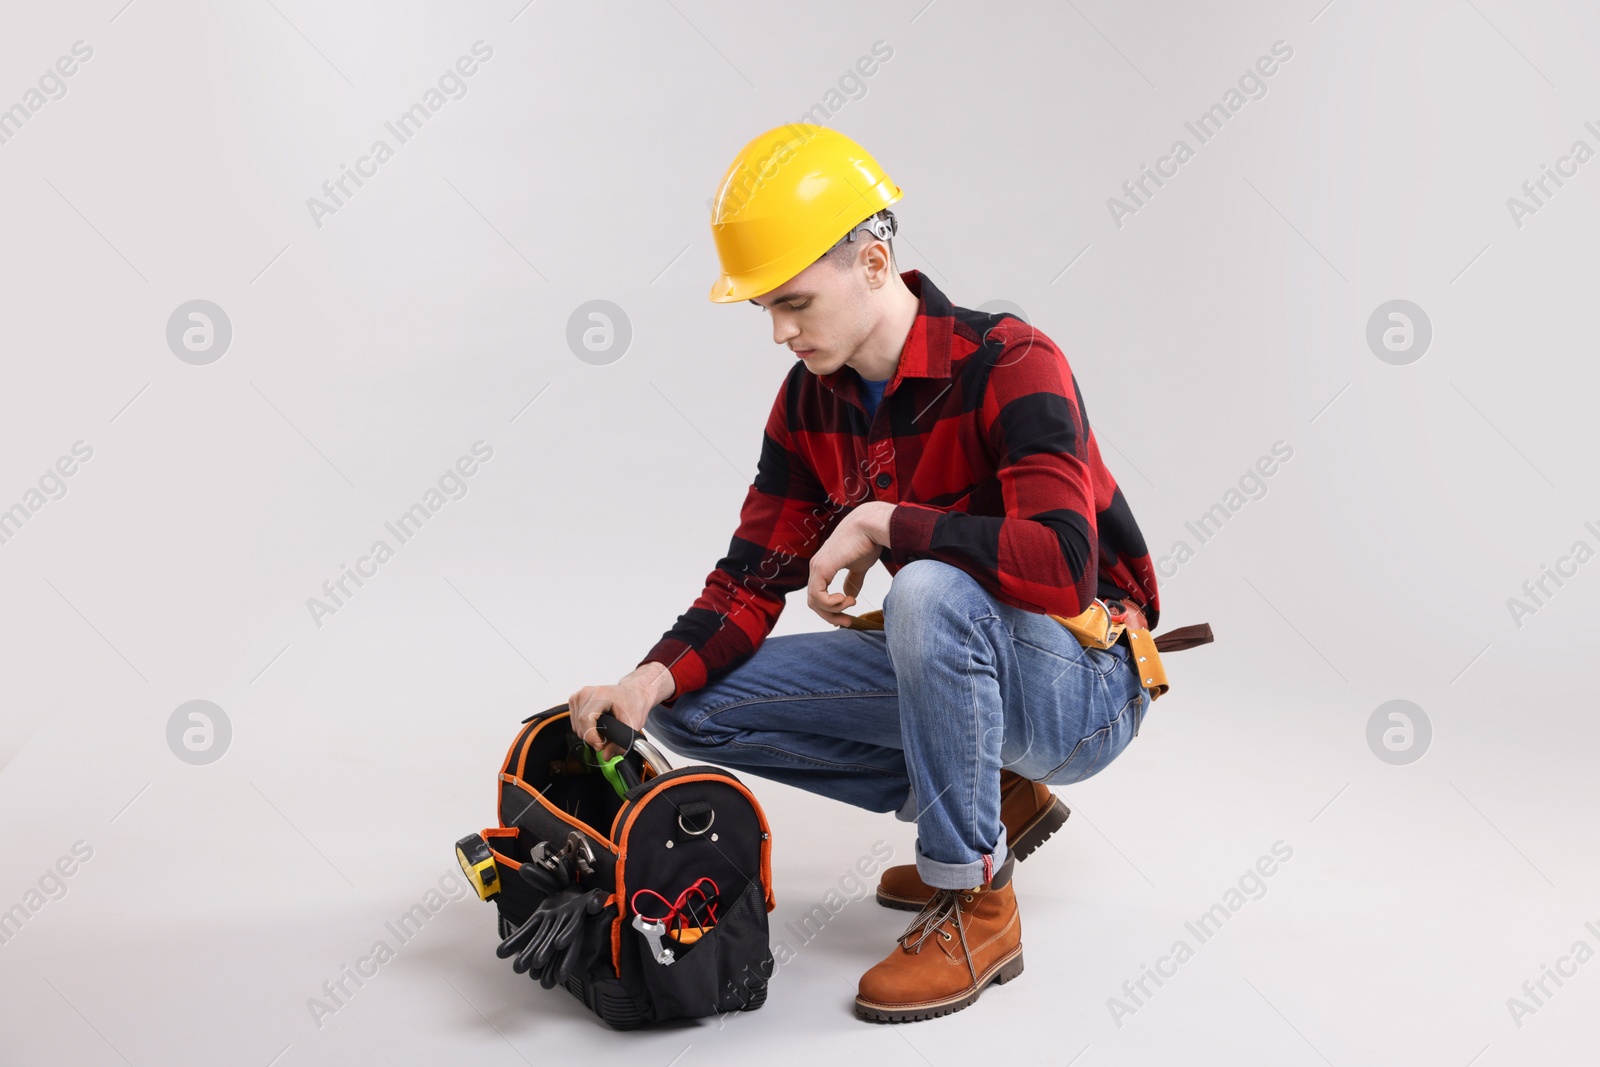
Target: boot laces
(941, 908)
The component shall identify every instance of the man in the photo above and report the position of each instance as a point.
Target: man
(953, 446)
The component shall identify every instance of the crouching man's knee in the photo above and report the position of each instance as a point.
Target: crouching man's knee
(927, 600)
(923, 584)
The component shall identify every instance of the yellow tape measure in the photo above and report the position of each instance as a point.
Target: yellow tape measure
(477, 863)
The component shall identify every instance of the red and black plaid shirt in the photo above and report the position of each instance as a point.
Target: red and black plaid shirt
(983, 443)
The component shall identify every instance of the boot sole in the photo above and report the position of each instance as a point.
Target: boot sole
(1040, 828)
(1008, 969)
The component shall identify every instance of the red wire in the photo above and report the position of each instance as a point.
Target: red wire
(676, 908)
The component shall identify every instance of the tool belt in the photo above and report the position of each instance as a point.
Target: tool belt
(1101, 625)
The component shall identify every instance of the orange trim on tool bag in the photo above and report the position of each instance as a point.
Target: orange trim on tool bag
(524, 740)
(622, 856)
(498, 832)
(526, 735)
(558, 813)
(505, 764)
(533, 729)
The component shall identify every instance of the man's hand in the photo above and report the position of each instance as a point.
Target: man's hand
(853, 547)
(629, 700)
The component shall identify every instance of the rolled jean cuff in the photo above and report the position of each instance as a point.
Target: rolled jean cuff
(941, 875)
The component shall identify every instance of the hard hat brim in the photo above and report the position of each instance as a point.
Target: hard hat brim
(731, 289)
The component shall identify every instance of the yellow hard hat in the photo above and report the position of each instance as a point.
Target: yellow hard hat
(786, 199)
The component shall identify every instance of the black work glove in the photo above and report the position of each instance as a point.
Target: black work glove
(550, 946)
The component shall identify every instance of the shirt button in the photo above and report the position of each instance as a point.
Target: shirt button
(884, 480)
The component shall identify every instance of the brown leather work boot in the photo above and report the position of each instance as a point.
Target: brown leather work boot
(959, 942)
(1030, 812)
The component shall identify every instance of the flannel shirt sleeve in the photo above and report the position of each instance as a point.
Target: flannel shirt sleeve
(785, 518)
(1042, 554)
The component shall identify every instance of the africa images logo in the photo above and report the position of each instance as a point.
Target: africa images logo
(1252, 85)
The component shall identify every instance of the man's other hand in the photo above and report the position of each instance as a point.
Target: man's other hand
(853, 547)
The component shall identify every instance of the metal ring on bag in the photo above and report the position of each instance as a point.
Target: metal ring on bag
(697, 833)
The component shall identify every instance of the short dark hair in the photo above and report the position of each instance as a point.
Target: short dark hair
(843, 252)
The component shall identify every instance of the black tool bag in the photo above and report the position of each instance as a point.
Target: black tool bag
(694, 837)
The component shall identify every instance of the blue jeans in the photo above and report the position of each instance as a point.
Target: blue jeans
(956, 686)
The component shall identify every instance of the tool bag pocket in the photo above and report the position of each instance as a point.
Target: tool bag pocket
(725, 969)
(695, 826)
(509, 848)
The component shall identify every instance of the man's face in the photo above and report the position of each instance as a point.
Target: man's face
(822, 314)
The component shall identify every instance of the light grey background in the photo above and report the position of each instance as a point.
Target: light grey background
(430, 312)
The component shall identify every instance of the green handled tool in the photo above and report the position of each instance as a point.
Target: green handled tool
(608, 767)
(621, 776)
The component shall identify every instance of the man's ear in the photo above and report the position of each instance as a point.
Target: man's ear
(875, 257)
